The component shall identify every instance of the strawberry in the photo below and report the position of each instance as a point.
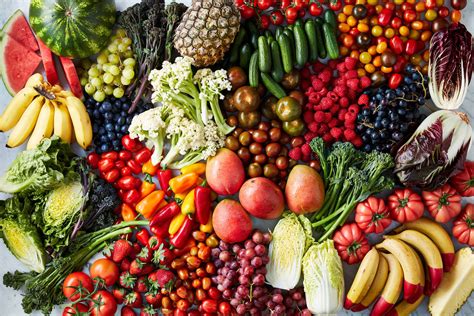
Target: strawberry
(125, 264)
(135, 251)
(138, 267)
(119, 294)
(127, 311)
(121, 249)
(141, 285)
(126, 280)
(133, 299)
(155, 242)
(162, 256)
(162, 278)
(154, 299)
(145, 255)
(148, 311)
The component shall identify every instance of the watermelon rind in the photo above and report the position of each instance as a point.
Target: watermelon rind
(26, 39)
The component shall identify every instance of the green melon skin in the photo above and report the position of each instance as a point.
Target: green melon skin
(73, 28)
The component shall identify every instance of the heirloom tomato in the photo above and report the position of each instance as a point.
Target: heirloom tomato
(405, 205)
(463, 226)
(372, 216)
(463, 181)
(443, 203)
(351, 243)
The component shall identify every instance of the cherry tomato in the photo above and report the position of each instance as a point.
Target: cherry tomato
(110, 155)
(301, 13)
(315, 9)
(143, 155)
(135, 166)
(125, 155)
(106, 165)
(285, 4)
(209, 306)
(409, 15)
(225, 309)
(430, 4)
(131, 196)
(396, 22)
(264, 22)
(276, 17)
(106, 270)
(335, 5)
(131, 144)
(102, 304)
(76, 309)
(93, 159)
(126, 183)
(299, 4)
(264, 4)
(443, 12)
(112, 175)
(77, 285)
(247, 12)
(125, 171)
(291, 13)
(119, 164)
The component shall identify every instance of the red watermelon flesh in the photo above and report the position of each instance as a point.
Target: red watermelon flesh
(71, 76)
(18, 27)
(48, 63)
(18, 64)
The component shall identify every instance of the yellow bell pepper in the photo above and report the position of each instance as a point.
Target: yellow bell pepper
(176, 223)
(188, 207)
(208, 227)
(179, 197)
(199, 168)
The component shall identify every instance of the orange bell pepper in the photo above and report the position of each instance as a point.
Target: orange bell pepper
(188, 207)
(184, 182)
(150, 204)
(147, 186)
(176, 223)
(149, 168)
(128, 213)
(162, 204)
(208, 227)
(199, 168)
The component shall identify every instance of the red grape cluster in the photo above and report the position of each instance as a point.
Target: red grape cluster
(241, 279)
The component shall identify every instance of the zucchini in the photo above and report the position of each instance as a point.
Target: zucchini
(273, 87)
(319, 38)
(264, 56)
(235, 50)
(277, 67)
(245, 53)
(301, 46)
(253, 70)
(286, 52)
(330, 17)
(330, 41)
(310, 29)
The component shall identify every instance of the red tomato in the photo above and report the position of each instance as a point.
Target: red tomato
(77, 285)
(299, 4)
(143, 155)
(106, 165)
(125, 171)
(372, 216)
(225, 309)
(126, 183)
(119, 164)
(247, 12)
(405, 205)
(106, 270)
(430, 4)
(102, 304)
(443, 12)
(125, 155)
(315, 9)
(335, 5)
(110, 155)
(264, 21)
(264, 4)
(76, 309)
(463, 226)
(351, 243)
(131, 144)
(285, 4)
(135, 166)
(395, 80)
(131, 196)
(93, 159)
(463, 181)
(127, 311)
(209, 306)
(291, 13)
(276, 17)
(112, 175)
(443, 203)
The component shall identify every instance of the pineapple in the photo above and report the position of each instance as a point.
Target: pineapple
(207, 30)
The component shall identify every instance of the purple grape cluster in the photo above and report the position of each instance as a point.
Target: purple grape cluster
(241, 279)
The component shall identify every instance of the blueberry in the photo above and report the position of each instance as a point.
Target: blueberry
(121, 120)
(379, 96)
(387, 147)
(118, 103)
(375, 136)
(385, 122)
(367, 148)
(104, 147)
(109, 127)
(410, 69)
(101, 109)
(416, 76)
(403, 127)
(125, 106)
(360, 128)
(116, 143)
(366, 112)
(103, 139)
(394, 116)
(96, 114)
(365, 138)
(379, 147)
(402, 104)
(421, 100)
(393, 126)
(402, 112)
(116, 117)
(409, 116)
(123, 114)
(378, 124)
(399, 92)
(95, 128)
(413, 87)
(124, 128)
(407, 80)
(111, 135)
(384, 102)
(101, 131)
(107, 106)
(397, 136)
(108, 115)
(128, 120)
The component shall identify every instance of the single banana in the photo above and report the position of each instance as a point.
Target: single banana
(411, 270)
(16, 108)
(44, 125)
(56, 89)
(80, 120)
(422, 277)
(363, 279)
(404, 308)
(62, 122)
(376, 287)
(392, 288)
(35, 80)
(66, 93)
(26, 124)
(437, 234)
(430, 253)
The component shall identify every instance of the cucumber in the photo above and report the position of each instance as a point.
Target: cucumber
(319, 38)
(330, 17)
(245, 53)
(253, 70)
(270, 39)
(286, 52)
(273, 87)
(301, 46)
(268, 33)
(277, 67)
(299, 22)
(278, 31)
(254, 40)
(330, 41)
(239, 39)
(264, 56)
(289, 32)
(251, 27)
(290, 27)
(310, 29)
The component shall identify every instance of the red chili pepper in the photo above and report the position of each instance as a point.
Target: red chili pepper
(396, 44)
(179, 239)
(143, 155)
(110, 155)
(112, 175)
(165, 214)
(126, 183)
(385, 16)
(125, 155)
(131, 144)
(106, 165)
(161, 230)
(126, 171)
(394, 81)
(154, 242)
(119, 164)
(131, 196)
(190, 243)
(93, 160)
(202, 201)
(164, 176)
(410, 47)
(143, 236)
(135, 166)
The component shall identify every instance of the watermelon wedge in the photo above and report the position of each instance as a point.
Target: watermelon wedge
(71, 76)
(18, 28)
(18, 63)
(48, 63)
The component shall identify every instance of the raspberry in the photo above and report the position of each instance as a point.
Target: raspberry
(326, 103)
(341, 67)
(325, 76)
(344, 102)
(328, 138)
(313, 127)
(317, 84)
(341, 81)
(333, 95)
(353, 108)
(314, 98)
(323, 92)
(319, 116)
(350, 63)
(317, 108)
(351, 74)
(334, 109)
(305, 149)
(308, 106)
(310, 135)
(332, 64)
(341, 114)
(295, 153)
(349, 125)
(365, 82)
(351, 94)
(336, 133)
(309, 91)
(363, 99)
(323, 129)
(305, 73)
(306, 158)
(350, 117)
(340, 90)
(333, 123)
(357, 142)
(327, 117)
(353, 84)
(305, 84)
(308, 117)
(318, 66)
